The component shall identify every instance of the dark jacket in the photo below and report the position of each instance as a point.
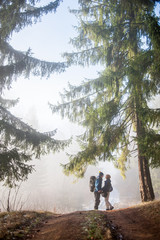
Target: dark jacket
(98, 184)
(107, 186)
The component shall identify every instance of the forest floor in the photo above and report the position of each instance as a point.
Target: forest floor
(139, 222)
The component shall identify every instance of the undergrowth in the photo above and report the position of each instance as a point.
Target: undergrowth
(95, 227)
(19, 225)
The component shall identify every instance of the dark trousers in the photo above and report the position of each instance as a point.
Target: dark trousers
(97, 199)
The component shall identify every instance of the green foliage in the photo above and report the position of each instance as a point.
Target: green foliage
(23, 64)
(15, 15)
(116, 103)
(95, 227)
(19, 142)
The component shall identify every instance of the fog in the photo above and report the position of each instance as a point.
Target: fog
(47, 188)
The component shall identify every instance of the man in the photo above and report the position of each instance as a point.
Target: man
(98, 190)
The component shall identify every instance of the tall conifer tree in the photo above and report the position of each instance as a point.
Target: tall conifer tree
(19, 142)
(124, 36)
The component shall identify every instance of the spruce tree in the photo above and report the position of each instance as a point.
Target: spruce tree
(20, 142)
(124, 36)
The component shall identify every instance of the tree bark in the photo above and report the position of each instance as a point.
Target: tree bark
(146, 188)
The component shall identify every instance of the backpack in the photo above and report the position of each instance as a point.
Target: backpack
(111, 188)
(92, 183)
(104, 193)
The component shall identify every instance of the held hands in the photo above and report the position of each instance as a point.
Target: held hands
(100, 191)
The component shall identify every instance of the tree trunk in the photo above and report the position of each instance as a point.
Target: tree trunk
(146, 188)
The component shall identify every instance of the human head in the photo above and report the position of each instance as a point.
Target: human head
(108, 176)
(101, 174)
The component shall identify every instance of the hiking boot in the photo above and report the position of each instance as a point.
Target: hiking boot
(111, 208)
(107, 209)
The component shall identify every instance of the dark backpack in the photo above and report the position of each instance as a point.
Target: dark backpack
(92, 183)
(111, 188)
(104, 190)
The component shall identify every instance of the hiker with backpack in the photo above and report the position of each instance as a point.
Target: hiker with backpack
(106, 192)
(98, 190)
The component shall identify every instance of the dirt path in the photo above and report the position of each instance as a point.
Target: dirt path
(140, 222)
(135, 223)
(63, 227)
(76, 226)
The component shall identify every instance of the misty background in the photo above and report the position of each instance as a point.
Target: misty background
(47, 188)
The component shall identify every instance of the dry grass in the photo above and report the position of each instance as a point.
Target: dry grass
(21, 225)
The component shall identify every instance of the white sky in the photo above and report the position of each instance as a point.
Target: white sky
(47, 39)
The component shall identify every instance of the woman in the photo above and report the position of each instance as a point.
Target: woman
(106, 192)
